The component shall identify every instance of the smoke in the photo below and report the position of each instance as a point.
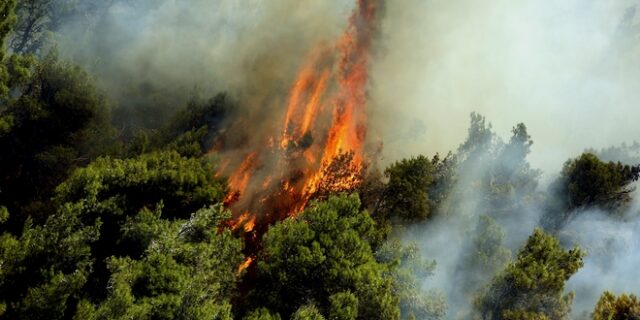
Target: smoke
(153, 55)
(565, 68)
(612, 246)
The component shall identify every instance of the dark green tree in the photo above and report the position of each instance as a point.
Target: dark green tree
(262, 314)
(587, 181)
(307, 312)
(323, 252)
(406, 194)
(186, 272)
(343, 306)
(122, 240)
(480, 141)
(57, 122)
(532, 286)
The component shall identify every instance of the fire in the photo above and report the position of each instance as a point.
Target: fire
(319, 148)
(247, 262)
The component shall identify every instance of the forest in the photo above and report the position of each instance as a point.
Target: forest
(139, 181)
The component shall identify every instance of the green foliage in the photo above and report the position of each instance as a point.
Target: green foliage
(307, 312)
(262, 314)
(4, 214)
(122, 244)
(622, 307)
(588, 181)
(406, 195)
(191, 131)
(58, 122)
(186, 272)
(343, 306)
(323, 252)
(45, 269)
(182, 184)
(532, 286)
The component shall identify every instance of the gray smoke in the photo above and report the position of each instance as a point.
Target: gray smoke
(568, 69)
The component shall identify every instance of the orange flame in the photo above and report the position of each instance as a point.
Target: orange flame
(320, 147)
(247, 262)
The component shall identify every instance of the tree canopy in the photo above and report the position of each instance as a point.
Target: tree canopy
(532, 286)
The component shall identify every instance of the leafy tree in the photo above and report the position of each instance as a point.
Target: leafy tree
(343, 306)
(444, 169)
(193, 129)
(121, 241)
(307, 312)
(532, 286)
(589, 182)
(406, 194)
(186, 272)
(261, 314)
(323, 252)
(32, 25)
(622, 307)
(41, 21)
(58, 122)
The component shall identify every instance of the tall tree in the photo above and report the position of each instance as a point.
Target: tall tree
(588, 181)
(406, 194)
(532, 286)
(59, 121)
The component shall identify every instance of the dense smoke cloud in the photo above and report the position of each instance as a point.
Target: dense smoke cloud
(565, 68)
(155, 54)
(611, 263)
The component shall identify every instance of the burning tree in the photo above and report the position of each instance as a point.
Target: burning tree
(320, 146)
